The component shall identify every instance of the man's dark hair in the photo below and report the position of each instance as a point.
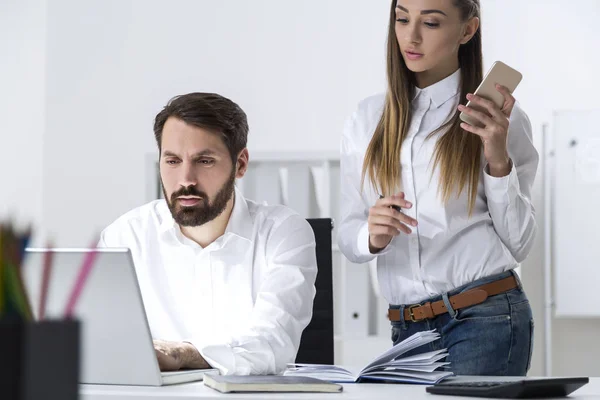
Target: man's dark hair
(208, 111)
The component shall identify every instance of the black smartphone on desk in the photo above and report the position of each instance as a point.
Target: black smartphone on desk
(514, 389)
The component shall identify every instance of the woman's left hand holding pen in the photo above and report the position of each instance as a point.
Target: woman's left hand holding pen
(386, 221)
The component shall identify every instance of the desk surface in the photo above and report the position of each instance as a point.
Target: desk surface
(197, 390)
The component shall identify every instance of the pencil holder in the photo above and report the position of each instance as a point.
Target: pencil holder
(39, 360)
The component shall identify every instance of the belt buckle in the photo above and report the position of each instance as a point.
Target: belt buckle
(412, 315)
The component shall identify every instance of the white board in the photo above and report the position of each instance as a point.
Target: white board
(576, 213)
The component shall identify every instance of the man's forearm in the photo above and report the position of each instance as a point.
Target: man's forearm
(191, 357)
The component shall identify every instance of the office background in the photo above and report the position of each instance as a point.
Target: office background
(80, 83)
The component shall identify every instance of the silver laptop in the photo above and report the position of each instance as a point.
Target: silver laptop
(116, 344)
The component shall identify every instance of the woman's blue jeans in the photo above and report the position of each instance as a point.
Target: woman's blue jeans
(491, 338)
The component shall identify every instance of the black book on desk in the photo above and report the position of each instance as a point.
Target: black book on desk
(269, 383)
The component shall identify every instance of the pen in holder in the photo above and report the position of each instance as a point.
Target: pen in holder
(39, 360)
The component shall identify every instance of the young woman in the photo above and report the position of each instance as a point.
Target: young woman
(444, 206)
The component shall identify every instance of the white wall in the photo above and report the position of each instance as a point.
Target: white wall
(297, 69)
(22, 106)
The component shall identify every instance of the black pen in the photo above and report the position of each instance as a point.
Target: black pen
(395, 207)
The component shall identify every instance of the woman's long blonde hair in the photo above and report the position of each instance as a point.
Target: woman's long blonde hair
(457, 152)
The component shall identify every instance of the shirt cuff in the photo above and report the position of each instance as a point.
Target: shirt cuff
(363, 243)
(220, 357)
(502, 189)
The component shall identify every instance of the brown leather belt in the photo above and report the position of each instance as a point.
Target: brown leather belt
(477, 295)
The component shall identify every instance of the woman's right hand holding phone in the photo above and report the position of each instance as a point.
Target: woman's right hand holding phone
(386, 222)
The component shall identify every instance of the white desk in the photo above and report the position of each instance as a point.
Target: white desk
(351, 391)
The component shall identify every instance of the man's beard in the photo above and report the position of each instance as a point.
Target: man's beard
(204, 211)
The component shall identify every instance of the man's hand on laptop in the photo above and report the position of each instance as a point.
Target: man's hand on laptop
(173, 356)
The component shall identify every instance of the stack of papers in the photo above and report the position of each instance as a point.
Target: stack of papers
(390, 366)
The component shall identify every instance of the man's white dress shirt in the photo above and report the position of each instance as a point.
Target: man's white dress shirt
(243, 301)
(448, 248)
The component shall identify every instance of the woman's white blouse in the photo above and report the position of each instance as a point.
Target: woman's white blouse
(448, 248)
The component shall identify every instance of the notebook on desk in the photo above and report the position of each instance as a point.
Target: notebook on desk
(116, 342)
(391, 366)
(269, 383)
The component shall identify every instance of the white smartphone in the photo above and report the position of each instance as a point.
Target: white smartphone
(499, 73)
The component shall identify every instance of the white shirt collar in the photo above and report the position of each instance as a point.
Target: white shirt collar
(240, 222)
(442, 91)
